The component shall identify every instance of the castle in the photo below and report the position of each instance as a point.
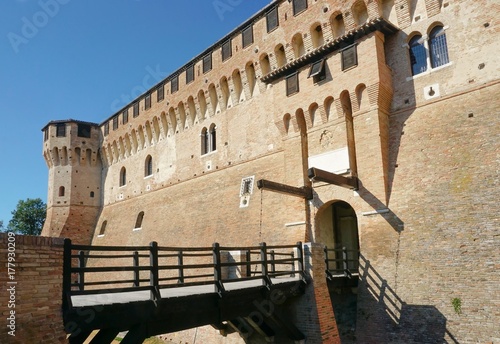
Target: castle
(376, 121)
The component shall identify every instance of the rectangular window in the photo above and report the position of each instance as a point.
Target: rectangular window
(226, 50)
(46, 134)
(272, 19)
(299, 6)
(317, 71)
(136, 109)
(115, 122)
(189, 74)
(61, 130)
(125, 116)
(83, 130)
(106, 129)
(147, 101)
(207, 63)
(247, 36)
(292, 84)
(174, 84)
(160, 93)
(349, 57)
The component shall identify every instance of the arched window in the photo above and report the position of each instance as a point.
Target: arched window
(138, 222)
(103, 228)
(61, 191)
(92, 194)
(123, 176)
(418, 55)
(438, 47)
(208, 139)
(148, 166)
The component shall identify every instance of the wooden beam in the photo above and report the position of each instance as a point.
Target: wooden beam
(304, 192)
(315, 174)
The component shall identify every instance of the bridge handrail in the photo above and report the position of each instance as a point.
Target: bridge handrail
(267, 261)
(345, 270)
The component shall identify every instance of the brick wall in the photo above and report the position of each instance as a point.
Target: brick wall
(38, 291)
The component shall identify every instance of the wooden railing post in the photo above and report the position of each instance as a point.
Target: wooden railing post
(273, 264)
(180, 262)
(219, 286)
(292, 255)
(248, 265)
(66, 297)
(300, 259)
(153, 275)
(81, 274)
(344, 262)
(136, 266)
(266, 281)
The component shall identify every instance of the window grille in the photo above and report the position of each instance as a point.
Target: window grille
(246, 187)
(418, 55)
(438, 47)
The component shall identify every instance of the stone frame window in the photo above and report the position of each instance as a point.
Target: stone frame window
(428, 52)
(209, 139)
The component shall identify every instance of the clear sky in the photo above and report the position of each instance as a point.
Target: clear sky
(82, 59)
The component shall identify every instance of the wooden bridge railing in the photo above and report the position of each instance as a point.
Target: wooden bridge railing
(345, 262)
(126, 269)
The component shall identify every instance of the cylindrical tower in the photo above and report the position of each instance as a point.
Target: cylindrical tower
(71, 151)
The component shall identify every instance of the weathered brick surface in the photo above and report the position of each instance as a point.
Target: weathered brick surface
(427, 162)
(38, 291)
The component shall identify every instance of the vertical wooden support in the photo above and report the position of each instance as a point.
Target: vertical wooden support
(273, 263)
(292, 255)
(180, 262)
(300, 259)
(248, 265)
(219, 286)
(66, 290)
(266, 281)
(136, 270)
(81, 273)
(153, 275)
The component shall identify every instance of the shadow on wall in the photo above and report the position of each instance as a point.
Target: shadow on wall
(383, 317)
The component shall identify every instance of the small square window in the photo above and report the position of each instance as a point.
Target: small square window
(174, 84)
(125, 116)
(299, 6)
(61, 130)
(317, 71)
(349, 57)
(207, 63)
(272, 19)
(136, 109)
(226, 50)
(189, 74)
(115, 122)
(160, 93)
(247, 36)
(83, 130)
(292, 84)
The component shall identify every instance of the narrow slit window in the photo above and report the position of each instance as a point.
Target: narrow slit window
(103, 228)
(123, 176)
(138, 221)
(61, 191)
(148, 167)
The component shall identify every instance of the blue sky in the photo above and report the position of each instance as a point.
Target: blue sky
(82, 59)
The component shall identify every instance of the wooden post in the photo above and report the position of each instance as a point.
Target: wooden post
(153, 275)
(344, 261)
(273, 264)
(219, 286)
(81, 274)
(300, 259)
(266, 281)
(248, 265)
(292, 255)
(180, 262)
(136, 271)
(66, 287)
